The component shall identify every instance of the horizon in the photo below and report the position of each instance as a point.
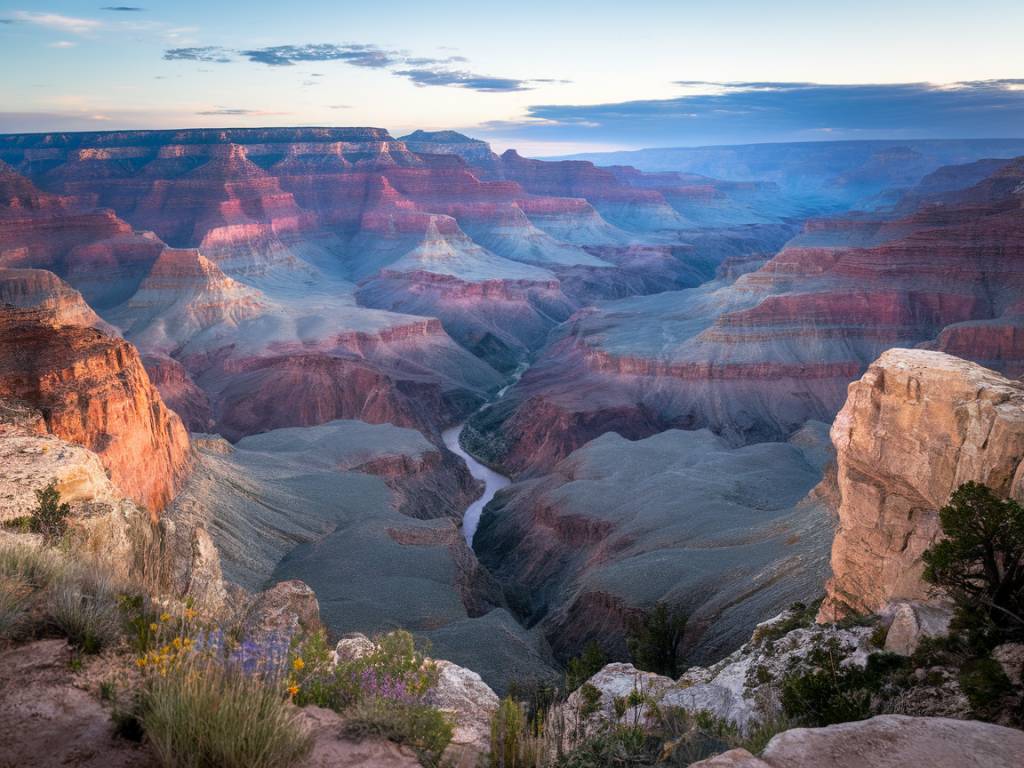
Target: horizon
(699, 77)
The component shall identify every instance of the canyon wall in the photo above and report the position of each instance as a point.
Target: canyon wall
(92, 389)
(916, 426)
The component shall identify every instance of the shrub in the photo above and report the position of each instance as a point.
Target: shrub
(203, 713)
(827, 693)
(50, 517)
(14, 598)
(31, 565)
(654, 640)
(423, 728)
(799, 616)
(85, 611)
(980, 562)
(510, 739)
(585, 666)
(985, 685)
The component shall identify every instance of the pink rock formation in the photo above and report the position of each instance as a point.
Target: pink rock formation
(916, 426)
(93, 390)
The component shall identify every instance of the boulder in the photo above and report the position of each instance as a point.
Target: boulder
(284, 609)
(1011, 658)
(896, 741)
(912, 622)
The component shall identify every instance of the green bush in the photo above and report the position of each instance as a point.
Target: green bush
(985, 685)
(826, 693)
(85, 611)
(201, 715)
(423, 728)
(654, 640)
(980, 560)
(585, 666)
(50, 517)
(508, 726)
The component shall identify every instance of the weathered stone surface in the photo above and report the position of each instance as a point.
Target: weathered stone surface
(1011, 658)
(896, 741)
(48, 722)
(913, 622)
(285, 609)
(915, 426)
(470, 701)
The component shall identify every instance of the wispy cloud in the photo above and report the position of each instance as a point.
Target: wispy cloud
(123, 8)
(208, 53)
(235, 112)
(68, 24)
(62, 44)
(748, 112)
(358, 55)
(461, 79)
(421, 70)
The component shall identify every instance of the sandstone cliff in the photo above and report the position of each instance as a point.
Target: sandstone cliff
(915, 426)
(92, 390)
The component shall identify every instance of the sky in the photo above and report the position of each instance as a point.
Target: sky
(551, 77)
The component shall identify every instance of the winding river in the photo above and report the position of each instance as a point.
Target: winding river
(493, 482)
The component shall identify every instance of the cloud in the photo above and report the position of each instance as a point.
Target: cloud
(462, 79)
(234, 112)
(62, 44)
(208, 53)
(340, 106)
(421, 70)
(70, 24)
(751, 112)
(122, 8)
(358, 55)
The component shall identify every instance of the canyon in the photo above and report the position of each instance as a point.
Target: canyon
(267, 341)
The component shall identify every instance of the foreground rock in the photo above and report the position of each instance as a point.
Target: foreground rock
(915, 426)
(49, 722)
(886, 741)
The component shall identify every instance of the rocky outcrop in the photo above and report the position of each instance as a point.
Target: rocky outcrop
(43, 290)
(886, 741)
(93, 390)
(916, 426)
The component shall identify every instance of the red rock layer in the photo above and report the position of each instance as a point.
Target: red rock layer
(92, 389)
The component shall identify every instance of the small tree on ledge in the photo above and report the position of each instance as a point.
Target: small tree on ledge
(980, 563)
(50, 517)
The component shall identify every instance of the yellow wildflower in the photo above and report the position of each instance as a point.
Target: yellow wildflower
(153, 627)
(298, 664)
(140, 662)
(177, 643)
(165, 617)
(293, 689)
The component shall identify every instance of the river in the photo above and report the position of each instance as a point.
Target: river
(493, 482)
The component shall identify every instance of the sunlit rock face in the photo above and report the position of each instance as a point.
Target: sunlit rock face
(94, 391)
(914, 428)
(755, 358)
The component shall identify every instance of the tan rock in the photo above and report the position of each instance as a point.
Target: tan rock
(1011, 658)
(912, 622)
(887, 741)
(464, 695)
(897, 741)
(916, 426)
(285, 608)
